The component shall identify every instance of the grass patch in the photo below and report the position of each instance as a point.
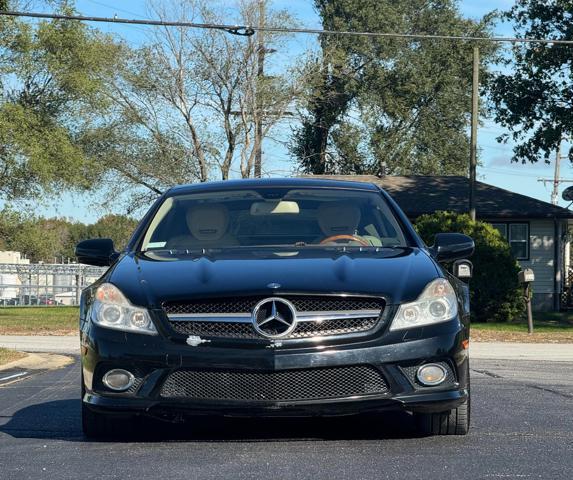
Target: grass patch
(550, 327)
(522, 327)
(39, 320)
(7, 356)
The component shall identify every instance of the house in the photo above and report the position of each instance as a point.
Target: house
(537, 231)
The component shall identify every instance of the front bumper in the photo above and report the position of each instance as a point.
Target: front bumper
(153, 359)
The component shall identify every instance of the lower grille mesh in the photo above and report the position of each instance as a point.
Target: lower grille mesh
(287, 385)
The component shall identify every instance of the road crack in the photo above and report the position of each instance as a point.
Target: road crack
(524, 384)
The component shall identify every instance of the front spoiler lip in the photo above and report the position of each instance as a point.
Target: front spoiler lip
(414, 402)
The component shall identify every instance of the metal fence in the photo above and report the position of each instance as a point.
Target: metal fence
(45, 284)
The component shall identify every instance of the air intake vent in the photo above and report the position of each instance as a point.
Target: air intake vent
(287, 385)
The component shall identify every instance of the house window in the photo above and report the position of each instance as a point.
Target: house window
(519, 240)
(517, 234)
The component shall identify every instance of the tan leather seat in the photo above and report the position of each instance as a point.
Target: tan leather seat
(338, 218)
(208, 227)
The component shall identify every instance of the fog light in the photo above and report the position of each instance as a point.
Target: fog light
(431, 374)
(118, 379)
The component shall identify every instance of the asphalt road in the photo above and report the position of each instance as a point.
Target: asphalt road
(522, 427)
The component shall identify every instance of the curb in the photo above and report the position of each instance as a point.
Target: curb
(32, 364)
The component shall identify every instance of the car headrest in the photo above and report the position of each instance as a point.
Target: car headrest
(208, 222)
(338, 218)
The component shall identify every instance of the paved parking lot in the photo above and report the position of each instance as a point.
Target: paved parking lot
(522, 427)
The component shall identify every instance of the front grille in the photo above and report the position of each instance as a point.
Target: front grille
(333, 327)
(287, 385)
(303, 303)
(302, 330)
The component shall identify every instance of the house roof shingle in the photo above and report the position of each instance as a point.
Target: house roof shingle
(418, 195)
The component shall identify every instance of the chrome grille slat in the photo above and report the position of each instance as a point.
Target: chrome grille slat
(243, 318)
(210, 317)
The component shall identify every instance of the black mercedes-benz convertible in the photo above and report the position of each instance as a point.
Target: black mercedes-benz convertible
(275, 297)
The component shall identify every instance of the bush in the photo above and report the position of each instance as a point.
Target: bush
(495, 293)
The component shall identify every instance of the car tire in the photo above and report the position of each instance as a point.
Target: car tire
(99, 425)
(452, 422)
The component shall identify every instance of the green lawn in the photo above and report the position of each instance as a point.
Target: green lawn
(549, 322)
(547, 327)
(9, 355)
(38, 320)
(538, 326)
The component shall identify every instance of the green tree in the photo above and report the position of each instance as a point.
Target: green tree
(380, 102)
(38, 239)
(51, 80)
(117, 227)
(55, 239)
(533, 95)
(494, 289)
(185, 104)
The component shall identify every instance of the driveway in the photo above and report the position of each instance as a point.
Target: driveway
(522, 428)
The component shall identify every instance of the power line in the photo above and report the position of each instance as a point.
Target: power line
(247, 30)
(101, 4)
(243, 30)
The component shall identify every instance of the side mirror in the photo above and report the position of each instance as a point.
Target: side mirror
(452, 246)
(99, 252)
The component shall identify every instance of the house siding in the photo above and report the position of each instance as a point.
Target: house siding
(542, 253)
(541, 261)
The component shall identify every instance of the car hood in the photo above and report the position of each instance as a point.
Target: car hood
(398, 274)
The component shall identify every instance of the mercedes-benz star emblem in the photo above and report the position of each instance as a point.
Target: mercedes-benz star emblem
(274, 317)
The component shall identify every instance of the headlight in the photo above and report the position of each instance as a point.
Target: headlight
(437, 303)
(112, 310)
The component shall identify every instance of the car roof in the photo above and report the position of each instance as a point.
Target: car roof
(272, 182)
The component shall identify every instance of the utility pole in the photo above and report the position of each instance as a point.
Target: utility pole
(555, 192)
(556, 181)
(259, 104)
(474, 129)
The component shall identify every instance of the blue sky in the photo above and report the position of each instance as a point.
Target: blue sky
(496, 167)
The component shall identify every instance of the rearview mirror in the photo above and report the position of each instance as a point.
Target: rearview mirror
(271, 207)
(452, 246)
(99, 252)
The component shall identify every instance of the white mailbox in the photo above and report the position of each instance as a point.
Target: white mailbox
(526, 276)
(463, 269)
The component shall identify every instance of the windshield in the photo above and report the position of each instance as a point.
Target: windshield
(297, 217)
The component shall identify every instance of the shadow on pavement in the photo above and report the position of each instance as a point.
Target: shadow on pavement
(61, 419)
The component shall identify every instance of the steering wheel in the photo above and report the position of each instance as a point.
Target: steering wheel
(355, 238)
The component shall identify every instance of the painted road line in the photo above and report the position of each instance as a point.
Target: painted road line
(16, 375)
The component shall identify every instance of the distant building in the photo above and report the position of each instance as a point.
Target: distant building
(13, 258)
(10, 282)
